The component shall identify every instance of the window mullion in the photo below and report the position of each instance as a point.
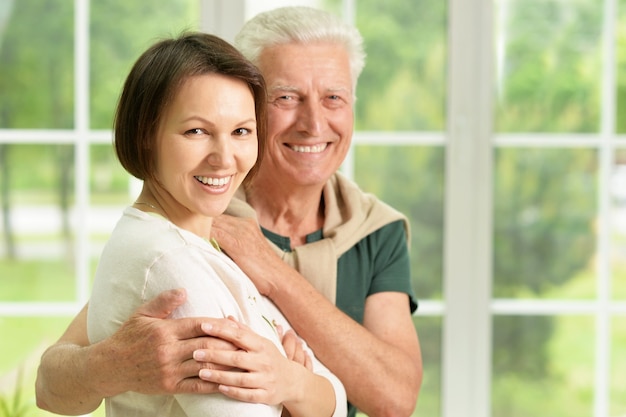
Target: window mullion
(222, 18)
(606, 157)
(81, 150)
(468, 210)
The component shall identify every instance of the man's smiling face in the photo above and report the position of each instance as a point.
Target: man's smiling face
(310, 112)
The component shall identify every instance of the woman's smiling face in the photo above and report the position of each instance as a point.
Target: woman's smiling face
(207, 144)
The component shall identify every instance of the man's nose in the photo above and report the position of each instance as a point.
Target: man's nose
(311, 117)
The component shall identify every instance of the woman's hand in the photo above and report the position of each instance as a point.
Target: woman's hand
(294, 347)
(262, 375)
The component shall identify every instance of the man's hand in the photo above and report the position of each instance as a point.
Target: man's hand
(155, 355)
(150, 354)
(243, 241)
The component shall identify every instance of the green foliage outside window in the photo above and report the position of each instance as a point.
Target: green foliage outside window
(545, 200)
(37, 65)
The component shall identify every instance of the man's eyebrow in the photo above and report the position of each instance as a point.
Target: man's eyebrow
(338, 89)
(292, 88)
(284, 88)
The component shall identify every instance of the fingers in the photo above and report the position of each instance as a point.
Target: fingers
(221, 220)
(294, 349)
(292, 345)
(202, 356)
(196, 385)
(308, 363)
(249, 395)
(185, 328)
(236, 233)
(237, 333)
(259, 387)
(163, 305)
(191, 368)
(176, 371)
(244, 386)
(254, 353)
(221, 229)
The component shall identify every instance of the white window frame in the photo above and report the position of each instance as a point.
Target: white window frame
(466, 351)
(468, 308)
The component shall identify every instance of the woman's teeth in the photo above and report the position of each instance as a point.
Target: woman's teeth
(214, 181)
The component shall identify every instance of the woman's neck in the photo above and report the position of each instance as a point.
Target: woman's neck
(155, 200)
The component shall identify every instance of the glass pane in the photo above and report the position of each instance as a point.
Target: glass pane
(36, 66)
(36, 261)
(618, 367)
(429, 330)
(137, 24)
(111, 192)
(403, 85)
(544, 213)
(429, 401)
(110, 183)
(536, 372)
(410, 179)
(548, 72)
(19, 357)
(618, 226)
(620, 31)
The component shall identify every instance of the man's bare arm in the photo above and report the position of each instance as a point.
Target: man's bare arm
(57, 372)
(147, 355)
(379, 362)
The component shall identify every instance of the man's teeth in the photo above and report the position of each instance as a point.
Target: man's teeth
(214, 181)
(309, 149)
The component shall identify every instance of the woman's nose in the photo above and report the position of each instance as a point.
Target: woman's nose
(220, 152)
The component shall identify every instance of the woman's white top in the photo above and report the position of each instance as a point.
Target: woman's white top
(146, 255)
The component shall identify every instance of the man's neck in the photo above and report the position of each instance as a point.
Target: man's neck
(291, 212)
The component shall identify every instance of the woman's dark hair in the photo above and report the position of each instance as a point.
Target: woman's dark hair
(153, 83)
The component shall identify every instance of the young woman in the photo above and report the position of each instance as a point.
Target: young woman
(190, 123)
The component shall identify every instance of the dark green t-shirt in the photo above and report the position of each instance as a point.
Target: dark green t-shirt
(379, 262)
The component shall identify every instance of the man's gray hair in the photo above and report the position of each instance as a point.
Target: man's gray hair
(304, 25)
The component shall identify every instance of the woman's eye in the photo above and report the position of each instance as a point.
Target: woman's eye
(241, 131)
(193, 132)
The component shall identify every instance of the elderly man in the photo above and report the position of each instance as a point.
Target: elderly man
(332, 258)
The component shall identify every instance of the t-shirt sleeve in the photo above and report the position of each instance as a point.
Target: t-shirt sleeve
(187, 267)
(392, 263)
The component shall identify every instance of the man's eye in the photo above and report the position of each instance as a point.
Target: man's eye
(338, 97)
(286, 101)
